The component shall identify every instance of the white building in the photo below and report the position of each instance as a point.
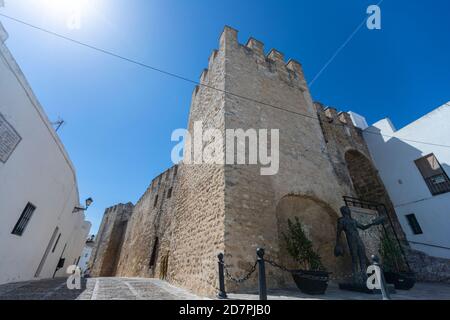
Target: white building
(38, 186)
(86, 254)
(414, 164)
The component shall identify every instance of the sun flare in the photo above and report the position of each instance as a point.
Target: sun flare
(69, 10)
(64, 6)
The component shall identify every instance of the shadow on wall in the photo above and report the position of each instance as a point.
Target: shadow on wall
(401, 156)
(396, 148)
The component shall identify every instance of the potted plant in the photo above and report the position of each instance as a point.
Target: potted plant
(312, 278)
(395, 270)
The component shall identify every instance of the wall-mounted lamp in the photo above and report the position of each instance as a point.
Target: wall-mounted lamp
(88, 203)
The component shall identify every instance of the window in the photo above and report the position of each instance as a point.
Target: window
(169, 193)
(56, 243)
(414, 224)
(25, 217)
(433, 174)
(153, 256)
(156, 201)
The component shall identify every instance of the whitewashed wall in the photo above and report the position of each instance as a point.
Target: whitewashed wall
(38, 171)
(394, 153)
(86, 256)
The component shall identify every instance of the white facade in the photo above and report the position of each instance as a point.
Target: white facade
(394, 153)
(35, 169)
(86, 255)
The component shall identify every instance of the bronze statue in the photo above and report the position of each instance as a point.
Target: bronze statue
(356, 246)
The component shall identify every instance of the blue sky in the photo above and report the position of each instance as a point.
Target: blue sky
(120, 116)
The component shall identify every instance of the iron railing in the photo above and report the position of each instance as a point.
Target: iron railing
(438, 184)
(382, 210)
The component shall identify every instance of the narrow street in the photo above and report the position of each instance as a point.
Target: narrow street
(154, 289)
(95, 289)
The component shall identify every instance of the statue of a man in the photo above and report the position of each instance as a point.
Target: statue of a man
(357, 249)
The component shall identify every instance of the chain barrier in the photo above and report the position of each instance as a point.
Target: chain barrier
(285, 269)
(330, 277)
(224, 271)
(302, 273)
(241, 279)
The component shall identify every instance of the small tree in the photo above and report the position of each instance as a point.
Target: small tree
(300, 247)
(391, 255)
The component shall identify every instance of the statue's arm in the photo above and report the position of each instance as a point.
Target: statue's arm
(364, 227)
(375, 222)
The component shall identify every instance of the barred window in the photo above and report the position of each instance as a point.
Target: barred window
(433, 174)
(414, 224)
(25, 217)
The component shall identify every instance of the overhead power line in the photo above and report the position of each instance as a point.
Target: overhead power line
(342, 46)
(177, 76)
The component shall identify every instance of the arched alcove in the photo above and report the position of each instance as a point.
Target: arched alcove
(319, 222)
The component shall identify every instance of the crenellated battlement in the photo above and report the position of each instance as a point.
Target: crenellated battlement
(203, 75)
(276, 56)
(156, 182)
(273, 62)
(255, 45)
(118, 208)
(332, 115)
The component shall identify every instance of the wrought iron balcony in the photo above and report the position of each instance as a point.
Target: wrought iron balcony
(438, 184)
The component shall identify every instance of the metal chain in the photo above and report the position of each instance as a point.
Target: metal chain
(303, 274)
(276, 265)
(344, 277)
(242, 279)
(283, 268)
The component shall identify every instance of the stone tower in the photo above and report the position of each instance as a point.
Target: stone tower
(192, 212)
(233, 208)
(146, 246)
(108, 243)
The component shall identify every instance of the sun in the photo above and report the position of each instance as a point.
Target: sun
(64, 6)
(69, 10)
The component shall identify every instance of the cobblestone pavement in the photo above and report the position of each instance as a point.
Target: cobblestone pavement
(421, 291)
(95, 289)
(153, 289)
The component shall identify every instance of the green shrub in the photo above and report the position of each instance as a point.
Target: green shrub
(300, 247)
(391, 255)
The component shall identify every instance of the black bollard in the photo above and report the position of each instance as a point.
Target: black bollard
(222, 294)
(384, 291)
(261, 274)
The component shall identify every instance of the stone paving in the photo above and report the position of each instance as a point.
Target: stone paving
(421, 291)
(95, 289)
(154, 289)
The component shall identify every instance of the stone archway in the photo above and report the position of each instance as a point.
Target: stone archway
(319, 222)
(364, 176)
(369, 186)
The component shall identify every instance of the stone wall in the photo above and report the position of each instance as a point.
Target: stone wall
(255, 213)
(109, 240)
(427, 268)
(233, 208)
(198, 230)
(147, 239)
(351, 160)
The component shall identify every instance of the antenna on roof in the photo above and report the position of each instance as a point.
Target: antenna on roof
(58, 123)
